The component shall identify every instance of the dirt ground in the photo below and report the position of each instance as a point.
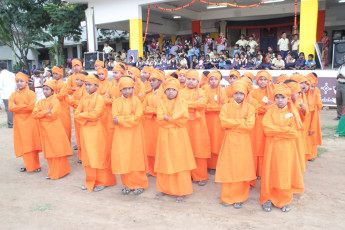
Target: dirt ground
(28, 201)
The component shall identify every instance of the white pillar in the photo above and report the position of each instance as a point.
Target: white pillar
(79, 52)
(91, 30)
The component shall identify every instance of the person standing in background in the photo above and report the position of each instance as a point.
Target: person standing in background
(326, 43)
(7, 87)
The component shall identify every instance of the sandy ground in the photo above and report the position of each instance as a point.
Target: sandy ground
(28, 201)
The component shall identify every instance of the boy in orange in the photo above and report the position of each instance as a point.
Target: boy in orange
(233, 76)
(235, 168)
(282, 175)
(139, 87)
(47, 113)
(315, 105)
(196, 125)
(182, 78)
(26, 139)
(98, 64)
(204, 80)
(104, 81)
(77, 67)
(128, 155)
(147, 70)
(61, 92)
(150, 117)
(74, 102)
(215, 99)
(174, 156)
(264, 97)
(93, 138)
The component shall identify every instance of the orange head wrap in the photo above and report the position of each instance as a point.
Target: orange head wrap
(57, 70)
(220, 93)
(216, 74)
(103, 70)
(125, 82)
(298, 77)
(248, 83)
(204, 78)
(249, 75)
(135, 71)
(282, 89)
(312, 78)
(22, 76)
(51, 84)
(120, 67)
(282, 78)
(77, 62)
(294, 86)
(193, 74)
(182, 71)
(92, 79)
(80, 76)
(172, 83)
(265, 74)
(235, 73)
(240, 86)
(158, 74)
(148, 69)
(100, 63)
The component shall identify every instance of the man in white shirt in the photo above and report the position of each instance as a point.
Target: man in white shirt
(7, 87)
(242, 42)
(295, 46)
(252, 43)
(107, 50)
(283, 45)
(340, 95)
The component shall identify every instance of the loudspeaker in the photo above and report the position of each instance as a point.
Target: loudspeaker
(91, 57)
(338, 53)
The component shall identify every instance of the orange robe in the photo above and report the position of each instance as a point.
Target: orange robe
(65, 115)
(235, 168)
(74, 102)
(282, 175)
(26, 139)
(71, 82)
(55, 145)
(228, 91)
(258, 132)
(128, 154)
(93, 139)
(147, 85)
(139, 89)
(106, 116)
(316, 138)
(174, 156)
(197, 130)
(306, 127)
(214, 128)
(150, 126)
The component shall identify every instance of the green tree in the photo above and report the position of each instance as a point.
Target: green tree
(65, 21)
(22, 24)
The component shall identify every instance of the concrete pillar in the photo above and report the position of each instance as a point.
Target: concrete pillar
(136, 32)
(308, 17)
(91, 30)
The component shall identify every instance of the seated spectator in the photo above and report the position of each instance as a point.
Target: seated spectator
(290, 61)
(250, 63)
(222, 63)
(268, 62)
(271, 51)
(182, 62)
(278, 63)
(200, 64)
(258, 61)
(243, 60)
(194, 61)
(158, 62)
(140, 63)
(300, 62)
(164, 62)
(310, 64)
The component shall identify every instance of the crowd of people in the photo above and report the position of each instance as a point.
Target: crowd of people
(178, 127)
(214, 54)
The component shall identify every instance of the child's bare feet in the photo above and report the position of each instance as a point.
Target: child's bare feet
(98, 188)
(159, 195)
(336, 135)
(179, 199)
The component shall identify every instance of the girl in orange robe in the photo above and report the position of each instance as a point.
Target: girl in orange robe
(139, 87)
(196, 125)
(150, 124)
(233, 76)
(26, 139)
(282, 175)
(315, 105)
(128, 154)
(215, 99)
(93, 138)
(74, 102)
(61, 93)
(174, 155)
(264, 97)
(55, 144)
(235, 168)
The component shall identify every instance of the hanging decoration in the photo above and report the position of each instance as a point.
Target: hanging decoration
(147, 23)
(179, 8)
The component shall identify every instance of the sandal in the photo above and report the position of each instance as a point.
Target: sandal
(126, 191)
(211, 171)
(98, 188)
(267, 206)
(238, 205)
(179, 199)
(38, 170)
(138, 191)
(202, 182)
(286, 208)
(159, 195)
(83, 187)
(47, 178)
(75, 147)
(312, 159)
(22, 169)
(79, 161)
(226, 205)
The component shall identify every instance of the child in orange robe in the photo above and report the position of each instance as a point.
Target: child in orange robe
(182, 78)
(128, 154)
(98, 64)
(282, 175)
(77, 67)
(150, 117)
(26, 139)
(174, 156)
(146, 72)
(233, 76)
(139, 87)
(235, 168)
(215, 99)
(196, 125)
(55, 144)
(93, 138)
